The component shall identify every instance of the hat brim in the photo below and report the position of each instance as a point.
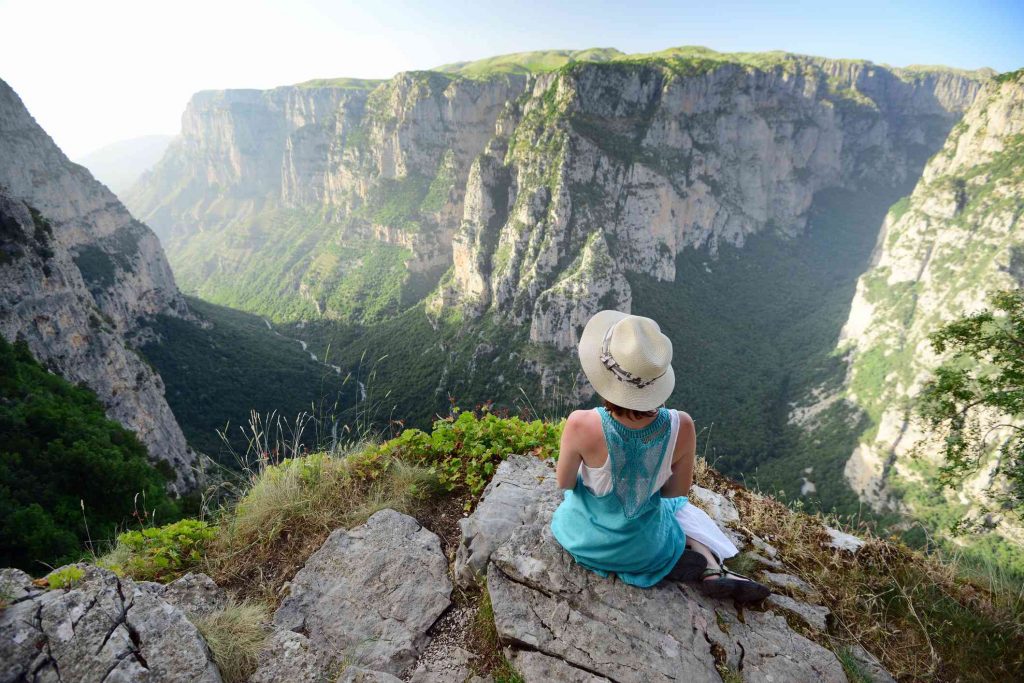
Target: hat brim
(605, 383)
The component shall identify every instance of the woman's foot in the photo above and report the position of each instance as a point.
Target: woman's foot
(721, 582)
(690, 566)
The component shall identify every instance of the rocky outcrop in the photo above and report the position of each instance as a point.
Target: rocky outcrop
(98, 628)
(566, 623)
(940, 251)
(369, 165)
(368, 596)
(80, 277)
(611, 168)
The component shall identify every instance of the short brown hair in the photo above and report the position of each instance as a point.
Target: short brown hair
(619, 411)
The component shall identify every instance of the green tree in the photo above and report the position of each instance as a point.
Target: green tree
(62, 462)
(975, 400)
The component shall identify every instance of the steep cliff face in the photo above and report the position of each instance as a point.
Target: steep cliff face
(334, 179)
(941, 250)
(80, 276)
(603, 169)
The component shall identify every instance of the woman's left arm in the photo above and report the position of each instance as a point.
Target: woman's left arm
(569, 457)
(683, 460)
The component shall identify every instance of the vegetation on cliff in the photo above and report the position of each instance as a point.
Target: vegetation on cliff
(69, 476)
(924, 618)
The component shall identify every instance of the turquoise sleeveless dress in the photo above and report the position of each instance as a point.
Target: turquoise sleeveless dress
(630, 531)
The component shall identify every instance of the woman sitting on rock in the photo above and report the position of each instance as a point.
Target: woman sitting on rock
(628, 467)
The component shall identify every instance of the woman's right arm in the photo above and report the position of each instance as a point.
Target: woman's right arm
(569, 457)
(683, 461)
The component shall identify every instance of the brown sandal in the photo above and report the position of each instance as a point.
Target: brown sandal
(725, 587)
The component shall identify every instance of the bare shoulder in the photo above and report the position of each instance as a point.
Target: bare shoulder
(583, 422)
(685, 421)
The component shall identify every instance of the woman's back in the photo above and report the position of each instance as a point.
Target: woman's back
(629, 530)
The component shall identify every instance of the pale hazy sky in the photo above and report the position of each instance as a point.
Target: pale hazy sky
(93, 72)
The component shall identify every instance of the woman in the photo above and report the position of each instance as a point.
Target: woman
(627, 470)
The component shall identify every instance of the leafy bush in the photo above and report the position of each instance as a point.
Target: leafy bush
(160, 553)
(464, 448)
(62, 462)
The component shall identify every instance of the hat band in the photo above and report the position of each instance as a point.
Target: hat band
(620, 373)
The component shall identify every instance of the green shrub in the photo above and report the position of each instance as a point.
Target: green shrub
(160, 553)
(62, 462)
(464, 449)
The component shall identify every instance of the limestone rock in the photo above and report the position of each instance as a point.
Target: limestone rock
(357, 674)
(940, 251)
(718, 507)
(564, 621)
(815, 616)
(15, 585)
(788, 582)
(455, 666)
(540, 668)
(844, 541)
(101, 628)
(369, 595)
(289, 657)
(80, 276)
(520, 487)
(194, 593)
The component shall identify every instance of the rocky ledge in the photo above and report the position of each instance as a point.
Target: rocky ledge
(374, 603)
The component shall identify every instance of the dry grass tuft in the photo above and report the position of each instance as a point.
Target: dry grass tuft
(291, 508)
(235, 635)
(924, 617)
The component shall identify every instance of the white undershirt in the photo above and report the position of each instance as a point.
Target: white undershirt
(599, 479)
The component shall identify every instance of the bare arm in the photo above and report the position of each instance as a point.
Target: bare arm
(569, 458)
(683, 460)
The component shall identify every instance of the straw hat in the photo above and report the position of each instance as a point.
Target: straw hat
(627, 360)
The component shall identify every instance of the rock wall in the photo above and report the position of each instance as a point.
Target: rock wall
(366, 165)
(940, 251)
(80, 277)
(603, 169)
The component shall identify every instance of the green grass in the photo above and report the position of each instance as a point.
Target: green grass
(342, 83)
(540, 61)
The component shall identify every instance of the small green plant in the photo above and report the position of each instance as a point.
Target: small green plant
(66, 577)
(235, 636)
(160, 553)
(465, 448)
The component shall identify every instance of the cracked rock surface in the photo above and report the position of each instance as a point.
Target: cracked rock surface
(368, 596)
(566, 623)
(101, 628)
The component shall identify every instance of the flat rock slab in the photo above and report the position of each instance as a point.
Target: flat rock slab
(535, 667)
(368, 596)
(566, 623)
(815, 616)
(101, 628)
(522, 485)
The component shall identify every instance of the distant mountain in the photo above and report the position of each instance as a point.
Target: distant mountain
(119, 164)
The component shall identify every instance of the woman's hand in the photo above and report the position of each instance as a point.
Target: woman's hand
(569, 457)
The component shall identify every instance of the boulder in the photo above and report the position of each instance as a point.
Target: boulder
(521, 486)
(843, 541)
(289, 657)
(368, 596)
(195, 594)
(815, 616)
(100, 628)
(563, 622)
